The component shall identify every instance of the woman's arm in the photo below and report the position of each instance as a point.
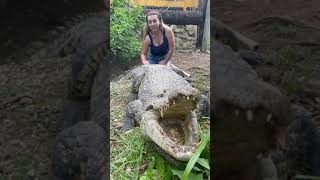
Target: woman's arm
(170, 37)
(144, 50)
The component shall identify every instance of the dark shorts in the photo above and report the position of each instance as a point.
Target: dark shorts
(152, 59)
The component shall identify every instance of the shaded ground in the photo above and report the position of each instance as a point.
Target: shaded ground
(31, 98)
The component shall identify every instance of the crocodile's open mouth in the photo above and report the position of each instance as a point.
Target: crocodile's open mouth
(173, 126)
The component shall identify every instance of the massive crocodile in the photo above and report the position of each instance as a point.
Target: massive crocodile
(164, 104)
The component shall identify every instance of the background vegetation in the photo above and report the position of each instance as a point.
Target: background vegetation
(125, 23)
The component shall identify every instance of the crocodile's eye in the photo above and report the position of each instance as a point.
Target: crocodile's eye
(149, 107)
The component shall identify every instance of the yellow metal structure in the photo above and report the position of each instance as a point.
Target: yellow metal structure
(184, 4)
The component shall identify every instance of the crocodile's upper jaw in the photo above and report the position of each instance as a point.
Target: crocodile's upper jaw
(173, 126)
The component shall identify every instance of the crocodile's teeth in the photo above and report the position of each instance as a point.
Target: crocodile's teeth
(269, 117)
(188, 98)
(161, 113)
(174, 102)
(194, 98)
(249, 115)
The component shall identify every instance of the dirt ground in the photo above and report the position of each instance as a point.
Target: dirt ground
(188, 60)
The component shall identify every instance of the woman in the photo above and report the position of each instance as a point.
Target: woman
(158, 40)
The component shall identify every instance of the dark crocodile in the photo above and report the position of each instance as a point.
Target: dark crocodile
(81, 148)
(163, 103)
(254, 119)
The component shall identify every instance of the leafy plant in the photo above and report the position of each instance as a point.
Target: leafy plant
(125, 21)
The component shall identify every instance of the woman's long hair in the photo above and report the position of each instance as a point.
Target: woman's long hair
(146, 27)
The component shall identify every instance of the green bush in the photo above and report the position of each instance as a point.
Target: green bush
(125, 23)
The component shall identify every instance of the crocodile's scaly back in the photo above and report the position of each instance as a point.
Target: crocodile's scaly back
(159, 81)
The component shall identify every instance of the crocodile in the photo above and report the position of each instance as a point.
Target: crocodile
(80, 150)
(252, 118)
(163, 103)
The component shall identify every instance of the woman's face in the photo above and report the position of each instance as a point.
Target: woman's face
(153, 22)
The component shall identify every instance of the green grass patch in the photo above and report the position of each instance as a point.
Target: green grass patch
(128, 155)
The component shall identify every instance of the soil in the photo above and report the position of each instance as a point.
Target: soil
(189, 60)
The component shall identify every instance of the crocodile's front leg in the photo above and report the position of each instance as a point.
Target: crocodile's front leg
(133, 111)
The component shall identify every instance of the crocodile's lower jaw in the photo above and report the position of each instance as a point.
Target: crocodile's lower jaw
(175, 131)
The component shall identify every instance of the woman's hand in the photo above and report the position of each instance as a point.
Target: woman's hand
(163, 62)
(145, 62)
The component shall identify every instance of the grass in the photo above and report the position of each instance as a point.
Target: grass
(127, 155)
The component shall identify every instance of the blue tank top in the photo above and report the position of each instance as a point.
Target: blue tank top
(160, 50)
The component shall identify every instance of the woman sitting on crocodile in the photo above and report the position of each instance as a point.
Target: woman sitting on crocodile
(158, 40)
